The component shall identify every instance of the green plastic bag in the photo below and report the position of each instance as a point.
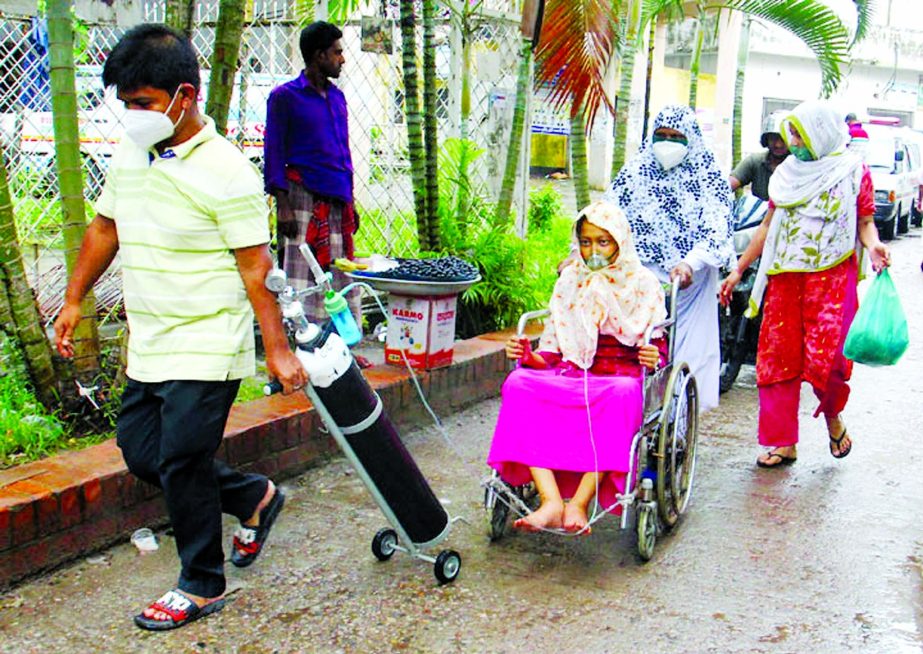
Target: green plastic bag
(878, 335)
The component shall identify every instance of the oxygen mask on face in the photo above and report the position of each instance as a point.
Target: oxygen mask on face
(596, 261)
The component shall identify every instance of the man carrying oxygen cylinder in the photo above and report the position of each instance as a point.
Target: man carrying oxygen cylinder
(185, 211)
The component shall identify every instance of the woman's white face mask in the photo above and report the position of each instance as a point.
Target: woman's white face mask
(147, 128)
(669, 153)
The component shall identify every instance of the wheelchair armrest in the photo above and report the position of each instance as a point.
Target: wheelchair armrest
(527, 317)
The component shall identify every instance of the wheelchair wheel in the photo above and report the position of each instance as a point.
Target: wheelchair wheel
(675, 458)
(498, 515)
(647, 532)
(685, 432)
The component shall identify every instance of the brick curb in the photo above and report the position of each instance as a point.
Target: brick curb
(66, 506)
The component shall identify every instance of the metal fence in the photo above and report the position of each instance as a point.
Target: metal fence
(371, 81)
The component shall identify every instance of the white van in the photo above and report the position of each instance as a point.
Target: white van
(896, 184)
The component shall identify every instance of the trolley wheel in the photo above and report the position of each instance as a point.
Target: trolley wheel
(383, 545)
(671, 445)
(647, 532)
(447, 566)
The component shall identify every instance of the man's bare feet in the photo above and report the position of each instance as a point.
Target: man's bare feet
(548, 516)
(575, 518)
(254, 520)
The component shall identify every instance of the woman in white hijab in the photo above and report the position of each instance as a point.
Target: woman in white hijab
(821, 210)
(678, 203)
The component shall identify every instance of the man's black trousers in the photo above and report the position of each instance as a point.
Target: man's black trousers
(168, 433)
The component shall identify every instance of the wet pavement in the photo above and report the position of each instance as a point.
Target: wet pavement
(823, 556)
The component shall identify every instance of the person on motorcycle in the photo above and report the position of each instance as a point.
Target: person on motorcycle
(758, 167)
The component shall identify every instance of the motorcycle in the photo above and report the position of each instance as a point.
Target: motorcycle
(739, 335)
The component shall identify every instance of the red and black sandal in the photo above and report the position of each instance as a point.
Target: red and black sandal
(249, 541)
(179, 610)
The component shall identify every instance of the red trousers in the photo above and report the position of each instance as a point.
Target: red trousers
(806, 317)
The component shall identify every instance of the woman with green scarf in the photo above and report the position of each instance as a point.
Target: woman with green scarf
(821, 214)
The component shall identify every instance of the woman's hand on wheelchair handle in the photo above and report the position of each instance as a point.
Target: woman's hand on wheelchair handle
(683, 272)
(514, 348)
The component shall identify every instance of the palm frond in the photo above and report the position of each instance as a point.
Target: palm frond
(812, 21)
(579, 39)
(865, 9)
(670, 10)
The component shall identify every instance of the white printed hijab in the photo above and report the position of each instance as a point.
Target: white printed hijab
(672, 211)
(620, 300)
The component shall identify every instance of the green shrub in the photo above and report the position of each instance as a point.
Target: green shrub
(544, 205)
(27, 431)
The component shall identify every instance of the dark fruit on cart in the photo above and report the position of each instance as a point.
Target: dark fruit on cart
(443, 269)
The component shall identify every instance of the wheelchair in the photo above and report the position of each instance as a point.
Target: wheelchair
(663, 451)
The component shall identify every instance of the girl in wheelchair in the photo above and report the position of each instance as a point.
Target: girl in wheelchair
(585, 380)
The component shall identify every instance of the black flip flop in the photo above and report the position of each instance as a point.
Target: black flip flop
(783, 460)
(180, 609)
(248, 541)
(841, 454)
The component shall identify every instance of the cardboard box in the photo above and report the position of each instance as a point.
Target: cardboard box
(423, 327)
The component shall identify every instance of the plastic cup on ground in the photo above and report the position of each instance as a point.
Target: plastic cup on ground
(145, 540)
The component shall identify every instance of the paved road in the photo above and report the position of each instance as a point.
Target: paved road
(822, 557)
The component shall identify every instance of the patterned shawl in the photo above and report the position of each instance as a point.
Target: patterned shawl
(621, 300)
(673, 211)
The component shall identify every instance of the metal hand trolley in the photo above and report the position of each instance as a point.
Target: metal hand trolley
(354, 415)
(662, 463)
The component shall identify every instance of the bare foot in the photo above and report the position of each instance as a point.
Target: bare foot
(575, 518)
(777, 456)
(547, 516)
(254, 520)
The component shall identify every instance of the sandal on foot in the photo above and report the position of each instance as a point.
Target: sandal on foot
(248, 541)
(179, 609)
(840, 452)
(782, 460)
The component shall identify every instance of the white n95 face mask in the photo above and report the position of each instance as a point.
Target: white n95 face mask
(669, 153)
(147, 128)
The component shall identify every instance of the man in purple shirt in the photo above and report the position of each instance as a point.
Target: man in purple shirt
(308, 168)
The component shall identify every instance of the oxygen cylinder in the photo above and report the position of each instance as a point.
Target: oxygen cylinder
(356, 409)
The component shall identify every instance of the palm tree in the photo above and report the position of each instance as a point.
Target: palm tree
(228, 33)
(430, 130)
(70, 176)
(743, 54)
(523, 87)
(19, 315)
(578, 160)
(414, 119)
(698, 42)
(576, 46)
(180, 14)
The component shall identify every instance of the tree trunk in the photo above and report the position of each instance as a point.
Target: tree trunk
(414, 120)
(70, 177)
(228, 33)
(649, 77)
(430, 130)
(461, 206)
(626, 76)
(695, 61)
(181, 15)
(21, 320)
(743, 55)
(578, 160)
(523, 87)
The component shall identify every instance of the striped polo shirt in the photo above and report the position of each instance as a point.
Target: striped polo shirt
(178, 216)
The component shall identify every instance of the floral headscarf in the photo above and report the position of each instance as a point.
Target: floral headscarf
(673, 211)
(621, 300)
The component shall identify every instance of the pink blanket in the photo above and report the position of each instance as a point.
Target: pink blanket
(543, 423)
